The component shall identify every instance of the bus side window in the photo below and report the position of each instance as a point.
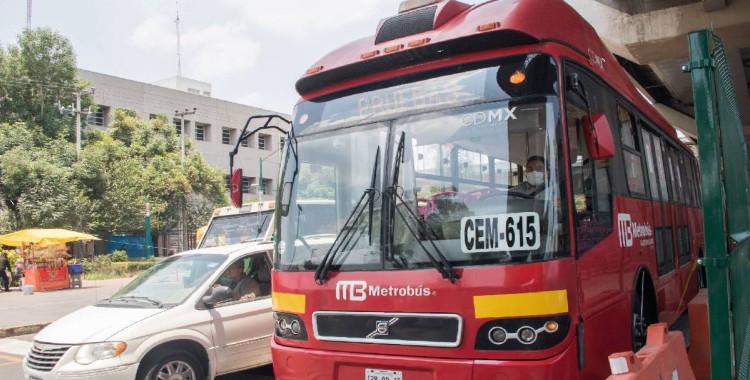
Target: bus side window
(631, 151)
(592, 192)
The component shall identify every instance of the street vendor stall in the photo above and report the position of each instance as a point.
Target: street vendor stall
(45, 255)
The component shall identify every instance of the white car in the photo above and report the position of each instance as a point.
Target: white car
(171, 322)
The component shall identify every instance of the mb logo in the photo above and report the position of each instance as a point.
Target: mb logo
(625, 228)
(351, 290)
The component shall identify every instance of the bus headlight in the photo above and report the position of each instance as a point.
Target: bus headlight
(532, 333)
(289, 326)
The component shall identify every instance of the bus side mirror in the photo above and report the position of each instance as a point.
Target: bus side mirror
(235, 191)
(286, 198)
(599, 140)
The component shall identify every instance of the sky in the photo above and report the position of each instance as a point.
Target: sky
(251, 51)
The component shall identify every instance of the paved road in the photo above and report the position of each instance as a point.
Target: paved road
(19, 312)
(44, 307)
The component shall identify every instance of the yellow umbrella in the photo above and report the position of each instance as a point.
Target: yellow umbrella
(43, 237)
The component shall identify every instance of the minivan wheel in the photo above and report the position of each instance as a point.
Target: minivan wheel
(175, 365)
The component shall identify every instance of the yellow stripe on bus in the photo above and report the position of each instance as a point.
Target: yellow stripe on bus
(521, 304)
(289, 302)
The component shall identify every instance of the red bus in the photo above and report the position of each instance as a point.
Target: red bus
(477, 192)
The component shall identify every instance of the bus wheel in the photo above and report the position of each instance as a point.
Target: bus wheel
(642, 315)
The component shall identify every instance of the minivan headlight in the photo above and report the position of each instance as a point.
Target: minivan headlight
(89, 353)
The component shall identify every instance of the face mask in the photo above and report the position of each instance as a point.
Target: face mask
(535, 178)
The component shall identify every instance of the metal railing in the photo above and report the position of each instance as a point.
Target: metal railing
(725, 181)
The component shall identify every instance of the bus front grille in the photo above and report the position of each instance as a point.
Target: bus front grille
(411, 329)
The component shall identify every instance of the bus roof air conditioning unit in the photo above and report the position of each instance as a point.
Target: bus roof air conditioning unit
(418, 17)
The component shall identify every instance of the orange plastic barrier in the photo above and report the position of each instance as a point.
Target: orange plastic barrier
(663, 357)
(700, 344)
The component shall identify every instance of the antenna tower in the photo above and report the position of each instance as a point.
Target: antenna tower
(177, 24)
(28, 14)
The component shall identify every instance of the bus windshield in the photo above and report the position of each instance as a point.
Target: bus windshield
(237, 228)
(471, 172)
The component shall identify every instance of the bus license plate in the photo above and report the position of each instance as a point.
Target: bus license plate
(382, 374)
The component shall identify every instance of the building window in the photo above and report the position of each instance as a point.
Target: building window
(207, 93)
(246, 185)
(99, 117)
(267, 186)
(281, 143)
(228, 179)
(200, 132)
(262, 141)
(245, 143)
(193, 91)
(227, 135)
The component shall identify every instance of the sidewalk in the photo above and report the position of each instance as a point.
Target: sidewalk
(27, 314)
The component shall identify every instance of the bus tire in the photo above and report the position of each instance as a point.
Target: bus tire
(644, 309)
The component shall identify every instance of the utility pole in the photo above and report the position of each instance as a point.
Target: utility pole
(183, 225)
(182, 131)
(75, 110)
(78, 125)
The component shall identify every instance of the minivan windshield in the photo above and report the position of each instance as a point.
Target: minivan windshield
(167, 283)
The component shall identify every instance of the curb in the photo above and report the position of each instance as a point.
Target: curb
(7, 332)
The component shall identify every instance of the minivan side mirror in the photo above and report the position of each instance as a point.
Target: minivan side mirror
(218, 294)
(599, 140)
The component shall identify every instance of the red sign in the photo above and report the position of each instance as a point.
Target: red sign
(235, 191)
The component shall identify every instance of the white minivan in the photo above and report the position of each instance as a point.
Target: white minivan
(176, 320)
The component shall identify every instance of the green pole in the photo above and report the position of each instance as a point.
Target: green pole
(149, 243)
(714, 225)
(260, 181)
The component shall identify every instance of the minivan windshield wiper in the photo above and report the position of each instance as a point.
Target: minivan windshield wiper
(437, 259)
(346, 235)
(138, 299)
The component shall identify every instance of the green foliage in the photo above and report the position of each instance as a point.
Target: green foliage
(103, 267)
(119, 256)
(44, 184)
(35, 74)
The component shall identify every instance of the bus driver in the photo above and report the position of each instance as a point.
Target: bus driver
(536, 174)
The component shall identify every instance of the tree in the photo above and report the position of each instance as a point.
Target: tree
(36, 75)
(37, 181)
(44, 184)
(137, 161)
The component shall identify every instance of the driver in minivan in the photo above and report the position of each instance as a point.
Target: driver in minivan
(243, 287)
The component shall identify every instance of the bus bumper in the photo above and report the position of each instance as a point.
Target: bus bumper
(295, 364)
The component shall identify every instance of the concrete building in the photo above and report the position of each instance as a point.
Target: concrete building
(213, 129)
(650, 40)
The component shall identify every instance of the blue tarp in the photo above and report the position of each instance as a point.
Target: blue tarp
(134, 245)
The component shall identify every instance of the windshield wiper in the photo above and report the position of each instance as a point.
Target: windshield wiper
(437, 259)
(345, 236)
(139, 299)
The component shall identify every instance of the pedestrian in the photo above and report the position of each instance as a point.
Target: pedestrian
(5, 264)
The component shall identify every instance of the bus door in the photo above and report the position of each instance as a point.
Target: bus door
(664, 226)
(681, 217)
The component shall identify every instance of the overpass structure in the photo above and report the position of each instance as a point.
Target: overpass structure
(650, 40)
